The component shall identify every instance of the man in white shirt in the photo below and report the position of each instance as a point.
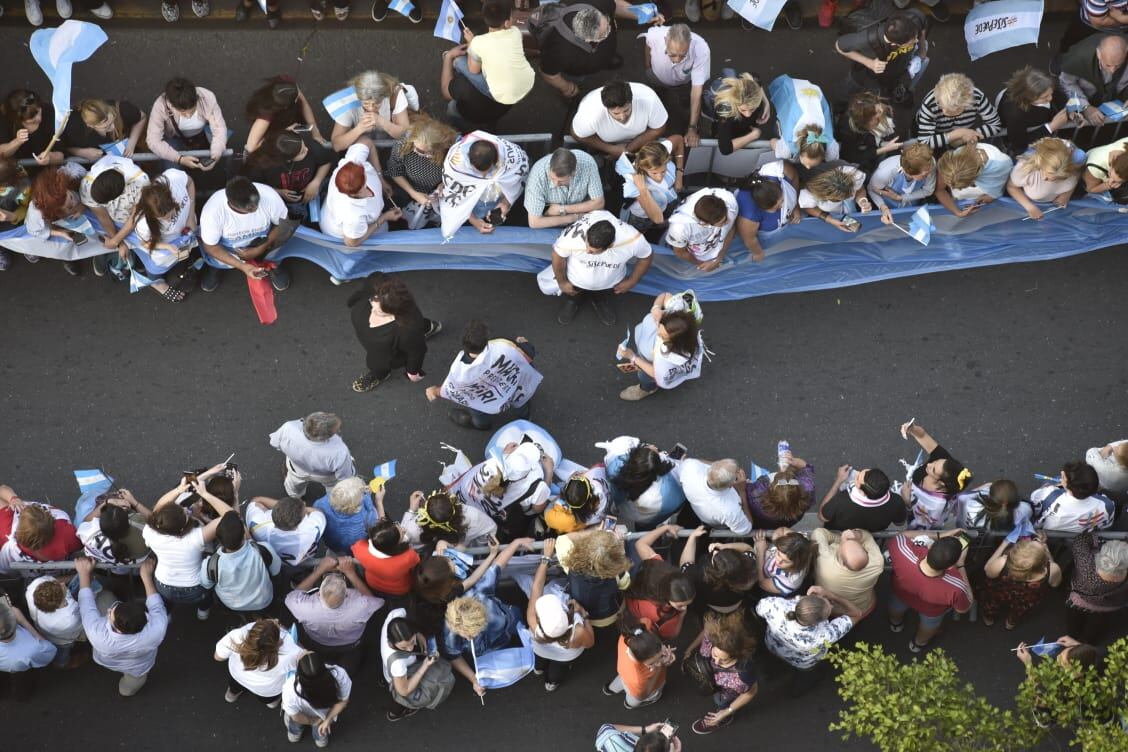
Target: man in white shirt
(619, 117)
(677, 62)
(589, 262)
(702, 228)
(711, 489)
(354, 205)
(55, 614)
(287, 525)
(314, 452)
(242, 223)
(1074, 506)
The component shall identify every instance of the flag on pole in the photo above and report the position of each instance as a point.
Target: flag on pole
(761, 13)
(116, 149)
(1002, 24)
(56, 50)
(622, 345)
(446, 25)
(403, 7)
(340, 102)
(644, 13)
(921, 227)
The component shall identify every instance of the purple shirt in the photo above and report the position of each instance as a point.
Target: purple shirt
(758, 489)
(333, 627)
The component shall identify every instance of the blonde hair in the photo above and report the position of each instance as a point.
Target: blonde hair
(807, 147)
(1052, 156)
(832, 185)
(960, 167)
(916, 158)
(1027, 560)
(652, 156)
(346, 496)
(737, 92)
(1120, 452)
(373, 86)
(94, 111)
(954, 91)
(36, 527)
(466, 617)
(597, 554)
(438, 136)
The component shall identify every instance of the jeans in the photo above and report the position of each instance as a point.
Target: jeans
(198, 595)
(631, 700)
(295, 728)
(899, 607)
(478, 79)
(646, 382)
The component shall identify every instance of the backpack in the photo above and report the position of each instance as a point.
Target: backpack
(866, 17)
(213, 561)
(550, 17)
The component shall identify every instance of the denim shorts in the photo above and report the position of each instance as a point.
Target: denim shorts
(928, 622)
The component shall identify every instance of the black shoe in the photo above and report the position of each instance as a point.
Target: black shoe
(416, 15)
(400, 713)
(209, 278)
(72, 268)
(100, 264)
(241, 12)
(462, 417)
(273, 17)
(5, 260)
(608, 691)
(379, 10)
(793, 15)
(568, 310)
(940, 12)
(434, 326)
(279, 277)
(604, 309)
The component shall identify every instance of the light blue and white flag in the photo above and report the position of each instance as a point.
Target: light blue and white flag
(1046, 649)
(314, 207)
(755, 472)
(387, 471)
(340, 102)
(507, 666)
(921, 227)
(1023, 528)
(116, 149)
(403, 7)
(56, 50)
(761, 13)
(447, 24)
(1002, 24)
(93, 481)
(622, 345)
(644, 13)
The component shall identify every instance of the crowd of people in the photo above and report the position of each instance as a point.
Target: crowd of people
(747, 599)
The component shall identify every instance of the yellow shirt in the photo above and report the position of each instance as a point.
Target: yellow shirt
(560, 518)
(502, 54)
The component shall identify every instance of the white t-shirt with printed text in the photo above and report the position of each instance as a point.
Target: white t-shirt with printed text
(604, 270)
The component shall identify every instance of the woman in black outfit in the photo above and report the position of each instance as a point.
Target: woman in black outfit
(1032, 106)
(866, 132)
(391, 329)
(740, 110)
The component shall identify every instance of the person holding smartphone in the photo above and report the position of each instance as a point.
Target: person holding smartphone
(653, 737)
(239, 224)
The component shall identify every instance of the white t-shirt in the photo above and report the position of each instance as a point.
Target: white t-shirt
(718, 509)
(61, 626)
(292, 704)
(263, 682)
(222, 225)
(593, 119)
(703, 241)
(177, 181)
(599, 271)
(807, 200)
(802, 647)
(1066, 513)
(178, 559)
(694, 69)
(191, 125)
(294, 546)
(350, 118)
(343, 216)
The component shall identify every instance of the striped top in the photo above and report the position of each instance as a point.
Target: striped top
(933, 125)
(1096, 8)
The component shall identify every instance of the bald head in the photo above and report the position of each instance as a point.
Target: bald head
(1112, 51)
(852, 552)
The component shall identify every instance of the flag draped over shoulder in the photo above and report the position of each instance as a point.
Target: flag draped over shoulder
(500, 378)
(56, 50)
(761, 13)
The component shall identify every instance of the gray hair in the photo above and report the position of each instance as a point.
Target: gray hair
(373, 86)
(679, 33)
(320, 426)
(1113, 558)
(586, 24)
(346, 496)
(333, 589)
(287, 513)
(562, 164)
(722, 474)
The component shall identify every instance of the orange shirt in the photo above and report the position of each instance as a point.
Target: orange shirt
(639, 679)
(390, 575)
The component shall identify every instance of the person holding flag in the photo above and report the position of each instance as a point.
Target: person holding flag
(905, 180)
(495, 62)
(25, 128)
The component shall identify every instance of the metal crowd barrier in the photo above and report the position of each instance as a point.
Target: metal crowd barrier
(144, 156)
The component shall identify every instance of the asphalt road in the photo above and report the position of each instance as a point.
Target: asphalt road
(1016, 369)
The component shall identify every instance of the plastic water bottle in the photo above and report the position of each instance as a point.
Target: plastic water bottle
(783, 449)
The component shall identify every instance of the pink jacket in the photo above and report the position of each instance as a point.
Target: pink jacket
(162, 120)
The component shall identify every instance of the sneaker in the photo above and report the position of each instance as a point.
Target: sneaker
(30, 259)
(727, 12)
(103, 11)
(100, 264)
(693, 11)
(321, 742)
(608, 691)
(400, 713)
(5, 260)
(940, 12)
(242, 10)
(700, 726)
(365, 383)
(634, 393)
(170, 12)
(209, 278)
(551, 686)
(793, 15)
(568, 310)
(203, 613)
(340, 13)
(914, 647)
(72, 268)
(604, 309)
(826, 13)
(230, 696)
(379, 10)
(33, 12)
(279, 277)
(643, 704)
(896, 626)
(273, 704)
(64, 8)
(416, 14)
(434, 326)
(538, 672)
(290, 735)
(201, 8)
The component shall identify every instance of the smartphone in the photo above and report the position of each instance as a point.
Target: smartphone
(609, 522)
(495, 217)
(669, 729)
(78, 238)
(678, 452)
(626, 367)
(207, 162)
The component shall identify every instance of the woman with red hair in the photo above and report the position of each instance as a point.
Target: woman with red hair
(354, 206)
(56, 213)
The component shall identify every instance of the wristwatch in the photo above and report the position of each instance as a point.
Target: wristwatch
(545, 560)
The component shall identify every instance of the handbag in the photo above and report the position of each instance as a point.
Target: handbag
(699, 669)
(436, 685)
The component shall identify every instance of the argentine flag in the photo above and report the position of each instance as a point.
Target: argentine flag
(446, 26)
(340, 102)
(403, 7)
(921, 227)
(1002, 24)
(116, 149)
(644, 13)
(761, 13)
(93, 481)
(387, 471)
(56, 50)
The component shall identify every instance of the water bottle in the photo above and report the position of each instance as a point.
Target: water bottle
(783, 450)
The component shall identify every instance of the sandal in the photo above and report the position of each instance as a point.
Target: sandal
(365, 383)
(173, 295)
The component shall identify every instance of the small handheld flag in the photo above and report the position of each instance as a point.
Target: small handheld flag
(93, 481)
(341, 102)
(403, 7)
(622, 345)
(755, 471)
(1047, 478)
(644, 13)
(116, 149)
(381, 474)
(920, 226)
(446, 25)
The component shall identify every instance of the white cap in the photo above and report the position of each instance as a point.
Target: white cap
(552, 617)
